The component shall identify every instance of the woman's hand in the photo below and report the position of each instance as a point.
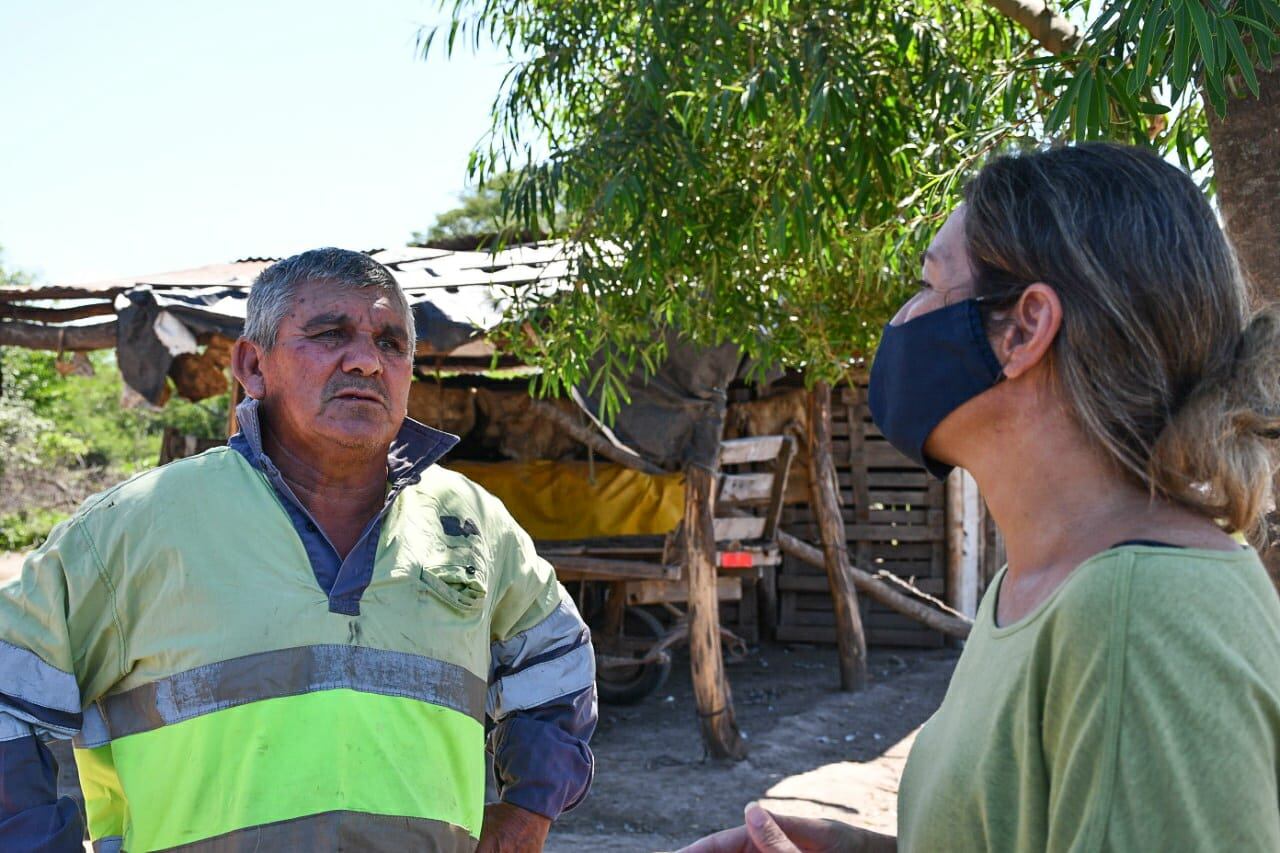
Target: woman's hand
(767, 833)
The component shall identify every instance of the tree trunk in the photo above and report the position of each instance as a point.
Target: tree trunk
(851, 643)
(1246, 162)
(710, 686)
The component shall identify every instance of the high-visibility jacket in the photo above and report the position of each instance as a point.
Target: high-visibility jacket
(227, 703)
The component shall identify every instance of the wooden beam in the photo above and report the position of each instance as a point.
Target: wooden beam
(877, 589)
(745, 488)
(761, 448)
(575, 568)
(9, 311)
(14, 333)
(592, 439)
(851, 641)
(711, 691)
(738, 529)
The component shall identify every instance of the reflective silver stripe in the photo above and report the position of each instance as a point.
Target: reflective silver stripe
(562, 626)
(111, 844)
(11, 728)
(24, 676)
(543, 682)
(368, 833)
(292, 672)
(93, 733)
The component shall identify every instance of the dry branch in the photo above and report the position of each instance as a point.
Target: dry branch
(952, 626)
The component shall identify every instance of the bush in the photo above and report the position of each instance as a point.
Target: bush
(27, 529)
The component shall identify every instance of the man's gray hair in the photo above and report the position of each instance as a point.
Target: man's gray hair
(274, 289)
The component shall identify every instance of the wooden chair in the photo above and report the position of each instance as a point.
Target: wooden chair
(628, 573)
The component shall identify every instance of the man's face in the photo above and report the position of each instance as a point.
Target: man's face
(339, 372)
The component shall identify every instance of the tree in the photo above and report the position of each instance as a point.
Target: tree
(742, 172)
(481, 220)
(1212, 60)
(479, 216)
(766, 172)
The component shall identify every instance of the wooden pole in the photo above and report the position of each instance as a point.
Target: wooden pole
(964, 539)
(851, 642)
(14, 333)
(869, 584)
(710, 686)
(55, 315)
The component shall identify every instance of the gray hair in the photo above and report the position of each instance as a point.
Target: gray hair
(276, 286)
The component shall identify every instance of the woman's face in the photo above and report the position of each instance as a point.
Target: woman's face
(947, 274)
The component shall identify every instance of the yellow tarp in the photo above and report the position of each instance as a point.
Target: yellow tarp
(562, 500)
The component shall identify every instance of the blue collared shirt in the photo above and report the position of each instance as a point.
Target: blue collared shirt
(414, 449)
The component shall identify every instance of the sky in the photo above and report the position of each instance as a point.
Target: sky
(151, 135)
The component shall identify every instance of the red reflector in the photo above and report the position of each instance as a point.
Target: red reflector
(735, 559)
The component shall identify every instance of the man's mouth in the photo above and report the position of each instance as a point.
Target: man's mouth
(351, 394)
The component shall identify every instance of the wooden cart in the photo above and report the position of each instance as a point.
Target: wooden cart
(621, 580)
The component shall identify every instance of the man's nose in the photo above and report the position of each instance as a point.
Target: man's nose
(361, 356)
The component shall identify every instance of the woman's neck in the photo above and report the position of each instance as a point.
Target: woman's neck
(1057, 502)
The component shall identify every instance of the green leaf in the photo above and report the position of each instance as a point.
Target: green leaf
(1152, 109)
(1204, 34)
(1155, 28)
(1081, 113)
(1066, 102)
(1231, 35)
(1182, 35)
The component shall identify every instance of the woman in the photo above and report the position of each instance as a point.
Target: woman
(1082, 344)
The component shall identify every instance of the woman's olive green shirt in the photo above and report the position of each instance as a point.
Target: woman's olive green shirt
(1138, 708)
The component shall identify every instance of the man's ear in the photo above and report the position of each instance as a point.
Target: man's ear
(1029, 329)
(246, 365)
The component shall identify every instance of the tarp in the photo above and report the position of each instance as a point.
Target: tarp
(676, 416)
(579, 500)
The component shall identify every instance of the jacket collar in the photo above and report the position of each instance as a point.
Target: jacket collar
(414, 449)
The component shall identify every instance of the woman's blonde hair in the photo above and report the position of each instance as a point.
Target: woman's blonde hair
(1158, 354)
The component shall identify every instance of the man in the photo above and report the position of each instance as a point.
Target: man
(293, 642)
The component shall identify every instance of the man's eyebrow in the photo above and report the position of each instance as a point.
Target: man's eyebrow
(395, 331)
(329, 319)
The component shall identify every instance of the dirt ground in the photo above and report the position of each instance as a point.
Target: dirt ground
(814, 751)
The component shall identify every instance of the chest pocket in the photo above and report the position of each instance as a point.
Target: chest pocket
(462, 584)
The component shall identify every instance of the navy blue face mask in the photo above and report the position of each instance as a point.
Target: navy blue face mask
(924, 370)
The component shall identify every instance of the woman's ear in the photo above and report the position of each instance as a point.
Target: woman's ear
(246, 365)
(1028, 330)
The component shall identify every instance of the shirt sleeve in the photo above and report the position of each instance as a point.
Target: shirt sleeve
(41, 613)
(542, 695)
(1160, 732)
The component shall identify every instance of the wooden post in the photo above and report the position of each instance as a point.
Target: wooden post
(964, 538)
(851, 642)
(710, 687)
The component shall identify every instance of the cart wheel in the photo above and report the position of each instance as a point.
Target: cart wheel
(627, 685)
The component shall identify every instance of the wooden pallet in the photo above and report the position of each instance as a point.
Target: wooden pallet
(895, 520)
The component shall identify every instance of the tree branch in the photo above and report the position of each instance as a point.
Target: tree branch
(1054, 32)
